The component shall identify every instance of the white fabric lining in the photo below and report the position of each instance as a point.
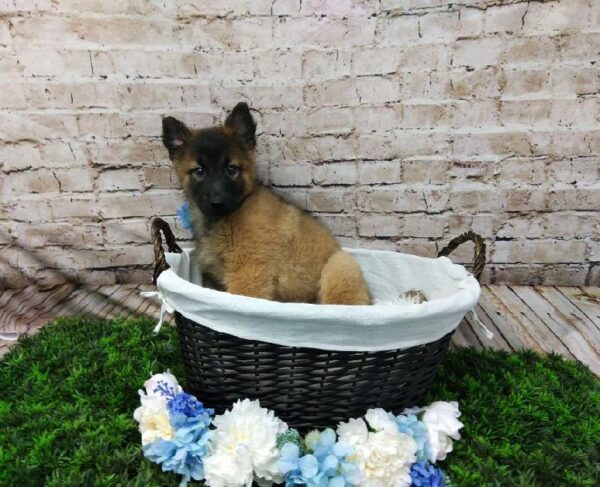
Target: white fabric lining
(389, 324)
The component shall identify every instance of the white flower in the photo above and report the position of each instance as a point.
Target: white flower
(153, 417)
(243, 447)
(378, 420)
(442, 427)
(384, 457)
(159, 384)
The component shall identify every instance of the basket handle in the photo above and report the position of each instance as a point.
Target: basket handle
(479, 255)
(160, 263)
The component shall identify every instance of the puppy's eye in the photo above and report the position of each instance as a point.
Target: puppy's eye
(232, 169)
(200, 172)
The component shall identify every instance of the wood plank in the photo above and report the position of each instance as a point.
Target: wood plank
(519, 312)
(123, 306)
(587, 299)
(39, 315)
(20, 321)
(97, 299)
(464, 337)
(30, 301)
(546, 336)
(497, 342)
(137, 301)
(515, 332)
(71, 304)
(25, 323)
(113, 301)
(148, 309)
(571, 314)
(473, 335)
(7, 295)
(17, 298)
(565, 330)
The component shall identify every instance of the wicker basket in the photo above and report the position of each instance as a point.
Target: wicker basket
(308, 388)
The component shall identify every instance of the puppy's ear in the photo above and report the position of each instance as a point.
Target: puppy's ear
(241, 122)
(175, 135)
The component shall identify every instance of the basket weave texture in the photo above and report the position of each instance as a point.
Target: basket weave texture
(306, 387)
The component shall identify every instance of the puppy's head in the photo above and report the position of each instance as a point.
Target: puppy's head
(216, 165)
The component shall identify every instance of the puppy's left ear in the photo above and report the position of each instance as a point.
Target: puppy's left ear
(175, 135)
(241, 122)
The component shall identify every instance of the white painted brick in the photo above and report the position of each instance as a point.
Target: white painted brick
(396, 31)
(506, 18)
(423, 116)
(331, 200)
(20, 156)
(479, 83)
(385, 200)
(380, 172)
(379, 225)
(298, 174)
(478, 52)
(149, 204)
(375, 61)
(323, 32)
(575, 80)
(118, 179)
(526, 82)
(224, 7)
(424, 57)
(539, 251)
(285, 7)
(329, 120)
(430, 171)
(277, 65)
(75, 180)
(12, 96)
(339, 92)
(525, 50)
(470, 23)
(159, 177)
(343, 173)
(439, 26)
(128, 231)
(326, 7)
(326, 64)
(377, 89)
(558, 16)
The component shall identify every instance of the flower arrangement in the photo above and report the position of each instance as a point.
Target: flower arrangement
(248, 443)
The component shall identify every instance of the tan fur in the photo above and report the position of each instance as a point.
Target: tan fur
(270, 249)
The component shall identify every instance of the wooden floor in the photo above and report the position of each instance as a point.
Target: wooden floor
(565, 320)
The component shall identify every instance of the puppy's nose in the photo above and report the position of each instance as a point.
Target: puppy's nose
(217, 203)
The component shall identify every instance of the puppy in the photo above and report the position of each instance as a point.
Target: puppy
(248, 240)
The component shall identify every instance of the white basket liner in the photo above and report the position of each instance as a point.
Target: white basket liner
(451, 291)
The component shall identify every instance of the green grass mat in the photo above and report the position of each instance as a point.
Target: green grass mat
(68, 395)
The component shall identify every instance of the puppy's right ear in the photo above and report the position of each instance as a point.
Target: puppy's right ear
(175, 135)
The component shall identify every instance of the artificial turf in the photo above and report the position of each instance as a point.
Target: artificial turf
(68, 395)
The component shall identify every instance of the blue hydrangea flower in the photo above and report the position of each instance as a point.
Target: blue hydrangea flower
(183, 454)
(188, 405)
(184, 216)
(163, 388)
(324, 466)
(424, 474)
(410, 425)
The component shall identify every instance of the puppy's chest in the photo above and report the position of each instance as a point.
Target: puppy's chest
(213, 250)
(209, 258)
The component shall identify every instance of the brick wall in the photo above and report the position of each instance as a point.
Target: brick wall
(399, 123)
